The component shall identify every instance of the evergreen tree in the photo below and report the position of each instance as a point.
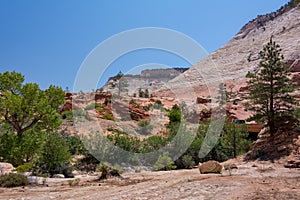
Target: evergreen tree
(270, 88)
(25, 107)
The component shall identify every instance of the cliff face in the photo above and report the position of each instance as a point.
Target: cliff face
(150, 79)
(240, 54)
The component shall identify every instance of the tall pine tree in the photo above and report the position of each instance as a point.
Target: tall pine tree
(270, 88)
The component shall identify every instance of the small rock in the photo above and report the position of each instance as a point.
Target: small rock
(58, 176)
(281, 148)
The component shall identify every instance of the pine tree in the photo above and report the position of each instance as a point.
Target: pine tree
(270, 88)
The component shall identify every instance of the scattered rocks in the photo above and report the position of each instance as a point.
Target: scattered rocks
(210, 167)
(292, 164)
(6, 168)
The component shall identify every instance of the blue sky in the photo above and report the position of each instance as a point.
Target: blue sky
(48, 40)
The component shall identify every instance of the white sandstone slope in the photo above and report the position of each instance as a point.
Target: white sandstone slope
(240, 54)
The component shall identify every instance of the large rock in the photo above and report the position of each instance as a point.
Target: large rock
(210, 167)
(6, 168)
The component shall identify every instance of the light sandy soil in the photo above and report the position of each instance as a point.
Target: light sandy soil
(259, 180)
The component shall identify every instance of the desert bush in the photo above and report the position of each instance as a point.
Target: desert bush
(100, 109)
(158, 105)
(164, 162)
(144, 127)
(92, 106)
(74, 182)
(187, 161)
(55, 156)
(108, 117)
(26, 167)
(143, 123)
(75, 144)
(13, 180)
(107, 171)
(175, 114)
(297, 113)
(69, 114)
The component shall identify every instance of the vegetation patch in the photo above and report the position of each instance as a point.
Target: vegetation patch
(13, 180)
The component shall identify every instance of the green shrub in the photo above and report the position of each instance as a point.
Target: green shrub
(74, 182)
(17, 150)
(100, 109)
(108, 117)
(75, 144)
(69, 115)
(107, 171)
(187, 161)
(92, 106)
(55, 156)
(297, 113)
(175, 114)
(13, 180)
(143, 123)
(26, 167)
(116, 169)
(164, 162)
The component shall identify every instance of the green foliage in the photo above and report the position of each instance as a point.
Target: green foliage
(26, 167)
(297, 113)
(270, 88)
(108, 117)
(175, 114)
(134, 103)
(26, 107)
(92, 106)
(153, 143)
(143, 123)
(100, 109)
(117, 169)
(74, 182)
(145, 127)
(164, 162)
(75, 145)
(55, 156)
(69, 115)
(234, 140)
(106, 170)
(188, 162)
(19, 149)
(13, 180)
(158, 105)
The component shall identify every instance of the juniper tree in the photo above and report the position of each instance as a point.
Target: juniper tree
(25, 107)
(270, 88)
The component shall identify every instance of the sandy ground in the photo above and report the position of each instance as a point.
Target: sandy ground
(259, 180)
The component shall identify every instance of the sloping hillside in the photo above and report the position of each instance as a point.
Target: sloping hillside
(240, 54)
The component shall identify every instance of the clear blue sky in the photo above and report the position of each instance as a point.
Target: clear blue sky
(47, 40)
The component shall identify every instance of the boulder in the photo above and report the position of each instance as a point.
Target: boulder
(210, 167)
(6, 168)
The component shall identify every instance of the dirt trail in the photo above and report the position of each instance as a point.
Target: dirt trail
(249, 181)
